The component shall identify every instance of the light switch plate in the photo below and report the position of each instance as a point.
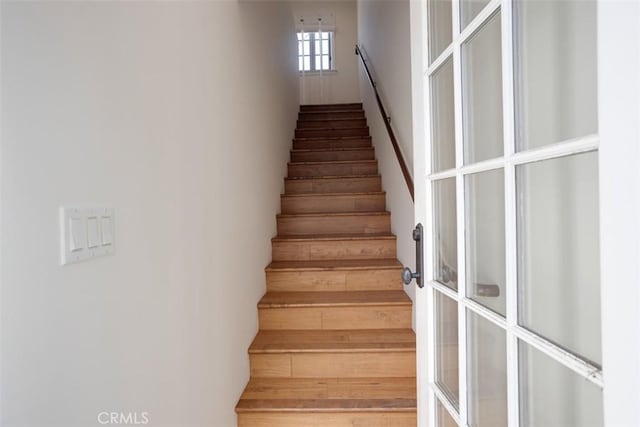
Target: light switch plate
(86, 233)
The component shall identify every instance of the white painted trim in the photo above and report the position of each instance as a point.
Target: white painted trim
(460, 216)
(424, 349)
(485, 312)
(446, 402)
(511, 276)
(481, 18)
(619, 164)
(565, 148)
(451, 293)
(561, 149)
(2, 234)
(450, 173)
(435, 65)
(576, 364)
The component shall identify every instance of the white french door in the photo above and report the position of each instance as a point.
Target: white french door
(506, 108)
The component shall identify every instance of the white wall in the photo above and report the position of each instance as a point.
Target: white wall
(148, 108)
(384, 33)
(341, 85)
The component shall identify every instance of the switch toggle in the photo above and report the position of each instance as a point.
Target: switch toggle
(107, 230)
(77, 238)
(92, 232)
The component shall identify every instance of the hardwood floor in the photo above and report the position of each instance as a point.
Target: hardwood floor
(335, 345)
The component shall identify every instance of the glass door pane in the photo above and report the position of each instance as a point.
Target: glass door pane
(469, 9)
(440, 27)
(487, 373)
(443, 417)
(555, 68)
(558, 259)
(447, 345)
(443, 128)
(482, 93)
(551, 395)
(445, 225)
(485, 253)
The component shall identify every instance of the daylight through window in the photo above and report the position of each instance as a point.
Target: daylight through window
(315, 51)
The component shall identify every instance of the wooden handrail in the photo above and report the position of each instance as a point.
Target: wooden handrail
(387, 123)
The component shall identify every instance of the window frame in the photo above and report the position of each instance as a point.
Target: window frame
(312, 51)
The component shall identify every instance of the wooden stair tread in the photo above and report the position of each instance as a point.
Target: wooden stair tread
(333, 119)
(317, 237)
(324, 150)
(333, 299)
(356, 340)
(332, 162)
(326, 405)
(324, 107)
(328, 143)
(310, 116)
(332, 111)
(346, 110)
(308, 166)
(332, 265)
(339, 104)
(329, 138)
(328, 394)
(331, 131)
(323, 195)
(339, 119)
(362, 127)
(337, 215)
(301, 178)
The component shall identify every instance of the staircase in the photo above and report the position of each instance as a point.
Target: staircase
(335, 345)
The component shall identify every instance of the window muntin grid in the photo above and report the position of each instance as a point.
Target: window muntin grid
(315, 51)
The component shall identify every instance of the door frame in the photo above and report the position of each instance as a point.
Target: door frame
(619, 128)
(618, 144)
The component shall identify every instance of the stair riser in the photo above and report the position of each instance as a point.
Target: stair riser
(331, 107)
(336, 317)
(343, 203)
(334, 365)
(331, 143)
(352, 224)
(328, 156)
(345, 280)
(343, 185)
(332, 124)
(316, 133)
(333, 419)
(331, 115)
(333, 169)
(308, 250)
